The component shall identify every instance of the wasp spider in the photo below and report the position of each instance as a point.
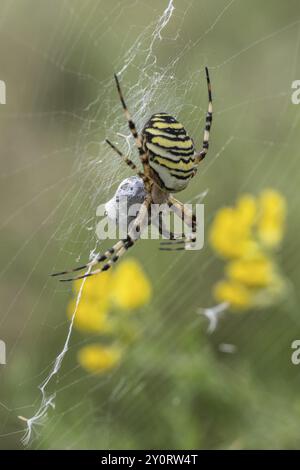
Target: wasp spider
(169, 161)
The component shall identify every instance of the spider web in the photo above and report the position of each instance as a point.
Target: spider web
(61, 105)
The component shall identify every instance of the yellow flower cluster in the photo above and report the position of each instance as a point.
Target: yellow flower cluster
(246, 236)
(104, 300)
(96, 358)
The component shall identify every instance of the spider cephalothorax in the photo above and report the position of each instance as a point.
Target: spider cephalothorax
(169, 161)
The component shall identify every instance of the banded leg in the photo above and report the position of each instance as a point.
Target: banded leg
(185, 214)
(125, 244)
(201, 155)
(138, 141)
(125, 158)
(120, 248)
(98, 259)
(165, 232)
(188, 217)
(174, 238)
(147, 180)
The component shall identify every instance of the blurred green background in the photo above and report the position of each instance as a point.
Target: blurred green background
(174, 388)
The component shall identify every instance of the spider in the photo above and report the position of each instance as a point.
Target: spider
(169, 161)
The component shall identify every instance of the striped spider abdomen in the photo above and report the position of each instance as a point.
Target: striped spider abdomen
(171, 152)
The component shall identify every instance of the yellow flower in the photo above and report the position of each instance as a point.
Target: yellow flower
(130, 286)
(93, 307)
(271, 222)
(95, 287)
(273, 293)
(246, 211)
(98, 359)
(253, 272)
(90, 316)
(231, 231)
(235, 293)
(242, 235)
(127, 287)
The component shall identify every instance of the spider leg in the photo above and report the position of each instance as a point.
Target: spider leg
(125, 158)
(182, 211)
(117, 253)
(189, 238)
(147, 180)
(98, 259)
(201, 155)
(138, 141)
(189, 218)
(174, 242)
(168, 234)
(134, 132)
(123, 245)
